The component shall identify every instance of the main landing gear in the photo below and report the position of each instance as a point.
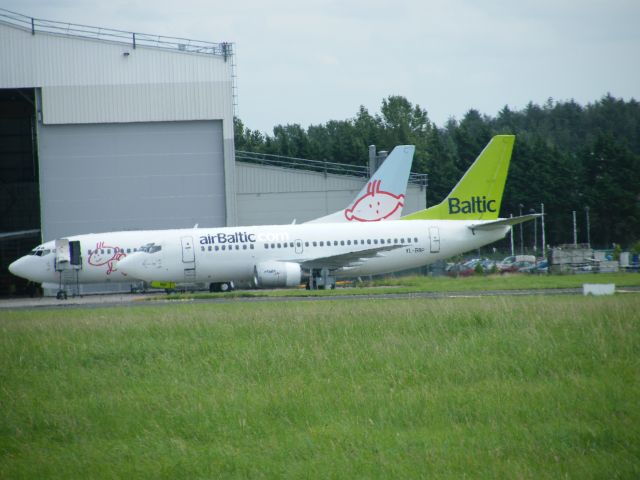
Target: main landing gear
(319, 279)
(61, 295)
(222, 287)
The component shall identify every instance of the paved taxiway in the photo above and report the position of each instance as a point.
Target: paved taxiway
(131, 300)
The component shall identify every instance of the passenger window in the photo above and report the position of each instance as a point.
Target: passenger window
(408, 240)
(217, 248)
(348, 242)
(375, 241)
(306, 244)
(223, 247)
(341, 242)
(322, 244)
(244, 247)
(368, 241)
(415, 240)
(237, 247)
(251, 246)
(273, 245)
(395, 240)
(101, 252)
(382, 241)
(208, 248)
(266, 245)
(402, 240)
(128, 250)
(335, 243)
(315, 244)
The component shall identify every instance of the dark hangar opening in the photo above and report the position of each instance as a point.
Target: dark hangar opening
(19, 184)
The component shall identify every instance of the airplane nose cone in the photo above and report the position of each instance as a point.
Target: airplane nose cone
(131, 265)
(20, 268)
(142, 266)
(126, 266)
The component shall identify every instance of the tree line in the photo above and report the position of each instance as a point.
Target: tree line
(567, 156)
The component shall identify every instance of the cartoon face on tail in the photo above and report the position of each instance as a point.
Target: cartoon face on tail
(375, 205)
(100, 257)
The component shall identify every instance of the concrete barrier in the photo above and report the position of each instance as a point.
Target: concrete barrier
(598, 288)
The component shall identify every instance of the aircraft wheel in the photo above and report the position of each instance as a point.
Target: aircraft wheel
(61, 295)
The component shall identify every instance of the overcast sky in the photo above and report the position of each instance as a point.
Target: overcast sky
(309, 62)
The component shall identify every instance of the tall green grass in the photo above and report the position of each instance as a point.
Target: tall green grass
(494, 387)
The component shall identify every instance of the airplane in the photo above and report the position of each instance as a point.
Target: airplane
(285, 255)
(381, 199)
(282, 256)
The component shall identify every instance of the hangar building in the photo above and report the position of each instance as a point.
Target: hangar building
(105, 130)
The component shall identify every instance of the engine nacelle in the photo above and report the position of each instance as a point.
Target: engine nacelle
(277, 274)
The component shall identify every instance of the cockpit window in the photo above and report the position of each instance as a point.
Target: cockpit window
(40, 252)
(150, 248)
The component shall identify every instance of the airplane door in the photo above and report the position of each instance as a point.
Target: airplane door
(188, 255)
(298, 246)
(434, 237)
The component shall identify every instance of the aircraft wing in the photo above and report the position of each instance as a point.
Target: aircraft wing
(346, 260)
(504, 222)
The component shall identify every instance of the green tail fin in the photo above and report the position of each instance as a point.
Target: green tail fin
(478, 195)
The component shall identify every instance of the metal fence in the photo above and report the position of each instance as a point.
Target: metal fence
(317, 166)
(118, 36)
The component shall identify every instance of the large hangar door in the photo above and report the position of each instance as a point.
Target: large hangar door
(155, 175)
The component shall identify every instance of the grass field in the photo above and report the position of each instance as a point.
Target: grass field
(421, 283)
(533, 387)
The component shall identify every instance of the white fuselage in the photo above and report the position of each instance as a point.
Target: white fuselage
(212, 255)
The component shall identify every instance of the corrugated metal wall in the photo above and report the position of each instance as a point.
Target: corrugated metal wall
(97, 178)
(269, 195)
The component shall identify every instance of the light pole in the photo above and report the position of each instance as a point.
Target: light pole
(586, 210)
(575, 231)
(535, 232)
(512, 249)
(544, 240)
(521, 227)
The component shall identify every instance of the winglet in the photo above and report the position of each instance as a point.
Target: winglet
(478, 195)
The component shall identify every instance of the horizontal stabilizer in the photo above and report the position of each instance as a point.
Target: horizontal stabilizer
(505, 222)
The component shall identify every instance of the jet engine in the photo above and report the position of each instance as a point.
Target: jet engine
(277, 274)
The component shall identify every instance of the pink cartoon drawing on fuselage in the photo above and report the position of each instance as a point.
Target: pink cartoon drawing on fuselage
(100, 257)
(375, 205)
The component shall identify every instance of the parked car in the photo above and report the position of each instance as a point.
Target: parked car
(537, 268)
(507, 263)
(518, 266)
